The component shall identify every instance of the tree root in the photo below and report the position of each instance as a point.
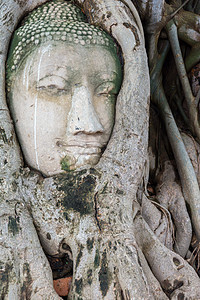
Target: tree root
(188, 31)
(169, 194)
(131, 276)
(158, 220)
(192, 110)
(45, 294)
(186, 171)
(154, 284)
(193, 150)
(175, 275)
(27, 271)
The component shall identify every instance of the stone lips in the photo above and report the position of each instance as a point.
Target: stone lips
(53, 21)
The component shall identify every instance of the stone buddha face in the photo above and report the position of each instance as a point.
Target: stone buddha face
(63, 102)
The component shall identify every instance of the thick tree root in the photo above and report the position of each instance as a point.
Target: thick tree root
(192, 110)
(186, 171)
(154, 285)
(159, 220)
(130, 274)
(105, 262)
(169, 194)
(176, 276)
(193, 150)
(188, 31)
(26, 271)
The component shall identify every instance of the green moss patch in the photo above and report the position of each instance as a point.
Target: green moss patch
(65, 164)
(78, 188)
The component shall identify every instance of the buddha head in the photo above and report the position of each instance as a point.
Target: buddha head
(63, 76)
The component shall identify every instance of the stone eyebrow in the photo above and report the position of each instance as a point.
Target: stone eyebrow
(51, 81)
(105, 76)
(50, 76)
(55, 73)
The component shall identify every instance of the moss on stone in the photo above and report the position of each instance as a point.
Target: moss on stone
(65, 165)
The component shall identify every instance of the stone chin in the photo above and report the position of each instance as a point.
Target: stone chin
(70, 162)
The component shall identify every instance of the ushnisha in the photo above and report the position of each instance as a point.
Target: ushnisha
(57, 21)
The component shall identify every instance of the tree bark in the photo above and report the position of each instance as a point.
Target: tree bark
(97, 221)
(101, 216)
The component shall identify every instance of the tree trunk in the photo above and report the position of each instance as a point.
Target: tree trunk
(96, 215)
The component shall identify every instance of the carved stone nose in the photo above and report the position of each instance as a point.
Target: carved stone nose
(82, 116)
